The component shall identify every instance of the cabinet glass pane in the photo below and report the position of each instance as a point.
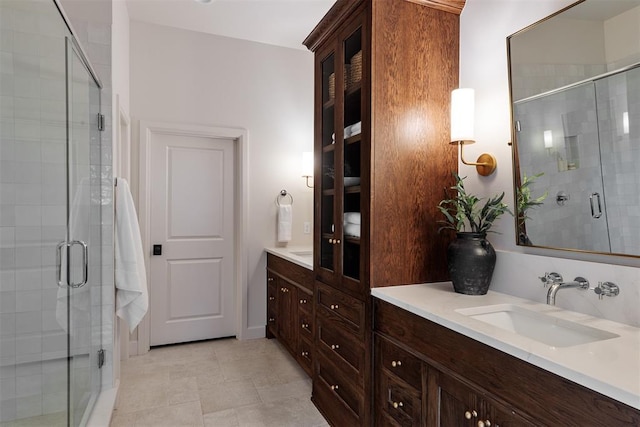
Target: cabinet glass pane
(351, 148)
(328, 163)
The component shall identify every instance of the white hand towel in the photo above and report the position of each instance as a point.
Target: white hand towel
(347, 132)
(132, 297)
(285, 220)
(352, 230)
(352, 218)
(356, 128)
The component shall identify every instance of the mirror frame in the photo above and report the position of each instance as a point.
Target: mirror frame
(514, 146)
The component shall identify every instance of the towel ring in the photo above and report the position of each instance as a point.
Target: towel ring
(282, 195)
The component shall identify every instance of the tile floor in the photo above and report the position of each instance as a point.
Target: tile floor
(218, 383)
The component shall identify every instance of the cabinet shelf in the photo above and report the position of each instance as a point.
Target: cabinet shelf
(329, 148)
(329, 104)
(352, 190)
(353, 89)
(354, 240)
(330, 192)
(353, 139)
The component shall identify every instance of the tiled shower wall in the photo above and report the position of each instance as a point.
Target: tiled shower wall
(32, 204)
(601, 160)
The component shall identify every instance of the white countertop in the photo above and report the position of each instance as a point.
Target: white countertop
(610, 367)
(301, 255)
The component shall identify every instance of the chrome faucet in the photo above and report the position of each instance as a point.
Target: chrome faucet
(557, 283)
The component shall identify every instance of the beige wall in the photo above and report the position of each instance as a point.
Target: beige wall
(483, 66)
(181, 76)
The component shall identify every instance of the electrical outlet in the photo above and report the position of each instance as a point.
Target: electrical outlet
(307, 227)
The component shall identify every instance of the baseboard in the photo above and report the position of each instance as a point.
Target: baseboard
(254, 332)
(103, 409)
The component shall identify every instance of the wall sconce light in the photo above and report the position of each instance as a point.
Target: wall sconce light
(548, 139)
(307, 167)
(625, 122)
(462, 132)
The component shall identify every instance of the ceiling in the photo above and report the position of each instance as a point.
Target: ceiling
(277, 22)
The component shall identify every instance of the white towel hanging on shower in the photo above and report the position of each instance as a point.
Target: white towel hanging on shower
(132, 298)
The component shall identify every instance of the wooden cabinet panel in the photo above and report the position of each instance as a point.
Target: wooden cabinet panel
(340, 307)
(398, 400)
(343, 399)
(343, 348)
(398, 361)
(290, 308)
(465, 375)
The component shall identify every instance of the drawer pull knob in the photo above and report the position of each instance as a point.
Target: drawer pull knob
(396, 363)
(334, 387)
(271, 319)
(332, 241)
(335, 346)
(398, 405)
(305, 353)
(485, 423)
(303, 301)
(470, 414)
(337, 241)
(305, 326)
(269, 279)
(272, 298)
(334, 306)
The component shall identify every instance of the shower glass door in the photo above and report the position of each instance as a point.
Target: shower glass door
(82, 249)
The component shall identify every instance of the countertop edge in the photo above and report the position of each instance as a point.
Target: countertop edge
(577, 376)
(286, 253)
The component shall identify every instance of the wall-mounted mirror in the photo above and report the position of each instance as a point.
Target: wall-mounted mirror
(575, 98)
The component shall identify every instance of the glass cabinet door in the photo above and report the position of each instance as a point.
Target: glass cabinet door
(351, 154)
(328, 165)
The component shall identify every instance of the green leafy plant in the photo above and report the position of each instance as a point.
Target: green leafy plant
(463, 211)
(524, 199)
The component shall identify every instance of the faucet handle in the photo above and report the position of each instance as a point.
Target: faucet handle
(608, 289)
(550, 278)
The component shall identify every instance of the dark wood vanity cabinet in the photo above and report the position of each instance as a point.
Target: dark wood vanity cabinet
(428, 375)
(290, 308)
(384, 71)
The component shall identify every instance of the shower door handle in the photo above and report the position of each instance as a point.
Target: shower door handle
(85, 263)
(595, 214)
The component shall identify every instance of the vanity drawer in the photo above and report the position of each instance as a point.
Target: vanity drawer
(293, 272)
(341, 347)
(305, 301)
(398, 400)
(399, 362)
(341, 401)
(340, 308)
(305, 355)
(306, 326)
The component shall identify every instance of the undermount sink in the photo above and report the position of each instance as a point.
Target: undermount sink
(302, 253)
(537, 326)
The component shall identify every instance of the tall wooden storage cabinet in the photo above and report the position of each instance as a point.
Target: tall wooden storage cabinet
(384, 71)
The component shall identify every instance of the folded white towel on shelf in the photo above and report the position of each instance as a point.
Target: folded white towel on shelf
(347, 132)
(352, 230)
(356, 128)
(285, 221)
(352, 218)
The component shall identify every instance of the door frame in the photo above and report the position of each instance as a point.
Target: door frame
(239, 137)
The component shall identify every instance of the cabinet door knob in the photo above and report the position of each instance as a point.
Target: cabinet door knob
(269, 279)
(332, 241)
(334, 387)
(485, 423)
(396, 363)
(272, 298)
(338, 241)
(271, 319)
(305, 325)
(303, 301)
(398, 405)
(334, 306)
(470, 414)
(305, 353)
(335, 346)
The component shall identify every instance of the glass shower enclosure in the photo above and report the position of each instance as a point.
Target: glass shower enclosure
(50, 220)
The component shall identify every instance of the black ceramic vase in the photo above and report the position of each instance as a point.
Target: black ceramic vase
(471, 260)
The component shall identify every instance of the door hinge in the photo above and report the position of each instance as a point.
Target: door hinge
(100, 122)
(100, 358)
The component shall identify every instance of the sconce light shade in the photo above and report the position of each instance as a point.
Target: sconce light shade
(625, 123)
(462, 115)
(307, 166)
(548, 139)
(462, 129)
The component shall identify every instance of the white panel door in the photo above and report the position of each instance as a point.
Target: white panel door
(192, 217)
